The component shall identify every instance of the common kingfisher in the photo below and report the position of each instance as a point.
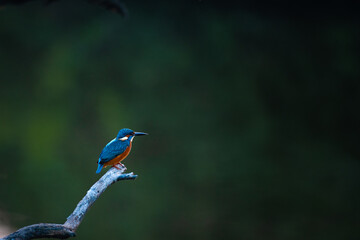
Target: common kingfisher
(117, 149)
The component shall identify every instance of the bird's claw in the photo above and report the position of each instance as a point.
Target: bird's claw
(121, 165)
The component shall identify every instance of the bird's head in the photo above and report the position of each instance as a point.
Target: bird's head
(126, 133)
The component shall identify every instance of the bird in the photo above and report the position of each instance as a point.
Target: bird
(117, 149)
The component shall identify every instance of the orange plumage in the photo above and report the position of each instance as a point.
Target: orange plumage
(119, 158)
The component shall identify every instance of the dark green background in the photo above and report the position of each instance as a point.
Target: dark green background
(252, 110)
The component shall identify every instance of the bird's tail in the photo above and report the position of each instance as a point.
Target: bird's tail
(100, 166)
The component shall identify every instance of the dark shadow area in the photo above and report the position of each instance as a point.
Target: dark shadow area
(251, 107)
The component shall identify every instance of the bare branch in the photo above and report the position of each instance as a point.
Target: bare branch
(41, 230)
(112, 176)
(66, 230)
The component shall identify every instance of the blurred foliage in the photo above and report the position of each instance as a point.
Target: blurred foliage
(253, 119)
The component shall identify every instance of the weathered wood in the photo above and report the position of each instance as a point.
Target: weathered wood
(41, 230)
(66, 230)
(112, 176)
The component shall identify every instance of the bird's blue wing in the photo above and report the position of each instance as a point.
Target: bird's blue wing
(112, 150)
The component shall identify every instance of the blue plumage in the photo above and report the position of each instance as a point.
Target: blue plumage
(112, 150)
(100, 166)
(123, 132)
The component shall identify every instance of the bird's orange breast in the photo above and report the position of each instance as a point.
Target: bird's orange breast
(120, 157)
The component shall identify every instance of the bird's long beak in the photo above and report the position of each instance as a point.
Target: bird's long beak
(140, 134)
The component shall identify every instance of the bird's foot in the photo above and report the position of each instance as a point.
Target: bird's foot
(121, 165)
(115, 166)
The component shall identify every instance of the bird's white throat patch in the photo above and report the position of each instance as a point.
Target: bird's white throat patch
(123, 138)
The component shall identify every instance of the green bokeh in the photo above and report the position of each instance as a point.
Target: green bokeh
(253, 120)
